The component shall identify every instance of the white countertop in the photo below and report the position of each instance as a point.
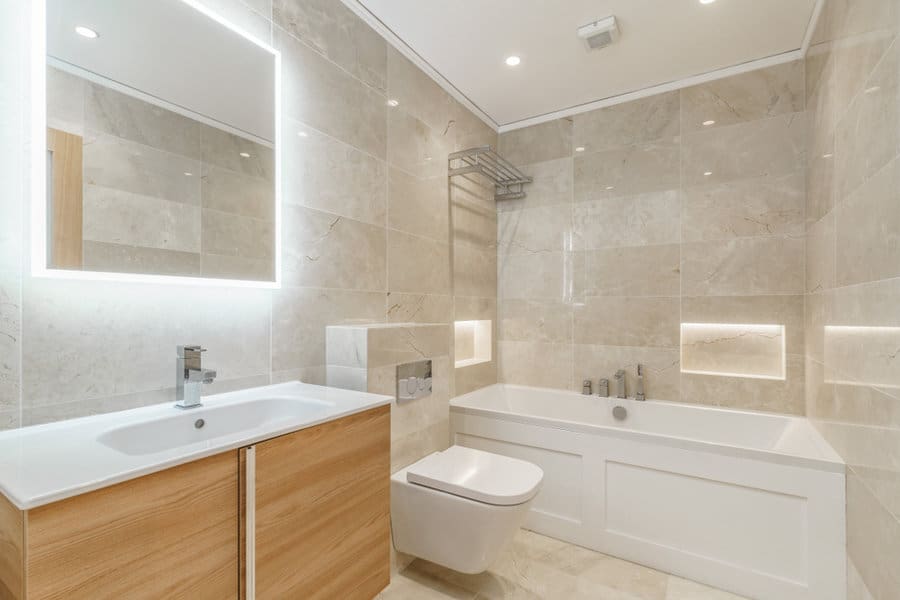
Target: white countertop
(46, 463)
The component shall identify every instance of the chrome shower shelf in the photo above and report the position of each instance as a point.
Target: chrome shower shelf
(507, 179)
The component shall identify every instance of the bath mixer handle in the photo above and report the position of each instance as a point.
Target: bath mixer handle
(620, 384)
(586, 387)
(639, 395)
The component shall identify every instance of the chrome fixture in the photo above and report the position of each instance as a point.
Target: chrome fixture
(190, 376)
(639, 395)
(603, 388)
(414, 380)
(507, 179)
(620, 412)
(620, 384)
(586, 387)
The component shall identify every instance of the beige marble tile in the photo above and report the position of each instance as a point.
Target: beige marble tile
(868, 134)
(327, 174)
(10, 346)
(114, 113)
(392, 344)
(531, 230)
(611, 271)
(651, 218)
(873, 539)
(221, 266)
(418, 94)
(475, 377)
(856, 587)
(415, 147)
(627, 321)
(236, 193)
(539, 364)
(747, 97)
(329, 99)
(419, 308)
(120, 339)
(538, 143)
(474, 218)
(645, 120)
(326, 250)
(131, 167)
(529, 320)
(553, 184)
(300, 316)
(774, 146)
(626, 171)
(743, 266)
(661, 375)
(118, 217)
(867, 230)
(417, 264)
(334, 31)
(784, 310)
(119, 258)
(746, 208)
(744, 393)
(233, 235)
(236, 153)
(820, 255)
(420, 443)
(685, 589)
(474, 271)
(739, 350)
(418, 206)
(539, 275)
(65, 101)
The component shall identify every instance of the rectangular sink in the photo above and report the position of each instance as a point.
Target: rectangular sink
(208, 423)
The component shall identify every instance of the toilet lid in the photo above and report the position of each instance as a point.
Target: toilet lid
(477, 475)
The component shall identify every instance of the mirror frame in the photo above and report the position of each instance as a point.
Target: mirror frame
(38, 167)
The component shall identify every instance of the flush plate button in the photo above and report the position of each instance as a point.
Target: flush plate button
(413, 380)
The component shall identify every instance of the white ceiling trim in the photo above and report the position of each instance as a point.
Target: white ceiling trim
(375, 23)
(662, 88)
(762, 63)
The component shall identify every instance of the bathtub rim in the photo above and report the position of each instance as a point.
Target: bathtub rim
(833, 464)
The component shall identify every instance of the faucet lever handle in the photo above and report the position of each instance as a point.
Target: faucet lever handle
(182, 351)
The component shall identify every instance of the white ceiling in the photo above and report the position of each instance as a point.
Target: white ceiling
(170, 51)
(661, 41)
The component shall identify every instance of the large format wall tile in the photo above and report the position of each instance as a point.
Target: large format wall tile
(628, 271)
(417, 264)
(651, 218)
(661, 375)
(553, 181)
(539, 143)
(742, 266)
(645, 120)
(418, 206)
(627, 321)
(418, 93)
(627, 170)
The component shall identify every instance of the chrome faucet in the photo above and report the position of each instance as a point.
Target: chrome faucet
(620, 384)
(639, 395)
(190, 376)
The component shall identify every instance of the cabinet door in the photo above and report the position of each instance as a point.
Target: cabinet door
(322, 518)
(172, 534)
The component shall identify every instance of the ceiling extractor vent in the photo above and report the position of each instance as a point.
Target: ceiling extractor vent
(600, 33)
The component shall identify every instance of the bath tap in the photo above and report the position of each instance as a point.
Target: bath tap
(620, 384)
(190, 376)
(639, 395)
(586, 387)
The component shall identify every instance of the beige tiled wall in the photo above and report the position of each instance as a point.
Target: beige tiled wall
(853, 274)
(365, 228)
(624, 235)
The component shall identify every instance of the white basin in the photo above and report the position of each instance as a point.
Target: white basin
(208, 423)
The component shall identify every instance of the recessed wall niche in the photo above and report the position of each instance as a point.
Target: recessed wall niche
(734, 350)
(472, 342)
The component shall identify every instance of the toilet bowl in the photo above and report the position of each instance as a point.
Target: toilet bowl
(459, 507)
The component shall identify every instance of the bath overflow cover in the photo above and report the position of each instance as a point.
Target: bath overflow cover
(619, 412)
(199, 423)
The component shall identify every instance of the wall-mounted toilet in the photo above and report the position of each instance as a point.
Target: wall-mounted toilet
(459, 507)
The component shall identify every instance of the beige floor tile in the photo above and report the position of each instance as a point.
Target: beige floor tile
(683, 589)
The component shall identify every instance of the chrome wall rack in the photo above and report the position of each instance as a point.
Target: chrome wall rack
(507, 179)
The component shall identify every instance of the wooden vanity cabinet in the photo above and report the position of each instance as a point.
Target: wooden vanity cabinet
(322, 510)
(171, 534)
(319, 512)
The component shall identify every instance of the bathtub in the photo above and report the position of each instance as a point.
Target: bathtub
(749, 502)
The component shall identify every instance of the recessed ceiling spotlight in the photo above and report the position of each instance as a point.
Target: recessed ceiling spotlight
(392, 103)
(579, 149)
(512, 61)
(707, 1)
(707, 174)
(86, 32)
(245, 155)
(708, 123)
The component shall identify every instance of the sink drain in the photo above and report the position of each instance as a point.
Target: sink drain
(199, 423)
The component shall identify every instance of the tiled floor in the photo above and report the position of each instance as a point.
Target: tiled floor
(538, 567)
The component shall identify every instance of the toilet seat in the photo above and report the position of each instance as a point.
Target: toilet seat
(477, 475)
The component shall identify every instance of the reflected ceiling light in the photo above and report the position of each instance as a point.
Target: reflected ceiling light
(829, 155)
(707, 1)
(707, 174)
(245, 155)
(86, 32)
(187, 174)
(513, 61)
(610, 187)
(873, 89)
(708, 123)
(302, 134)
(393, 103)
(579, 149)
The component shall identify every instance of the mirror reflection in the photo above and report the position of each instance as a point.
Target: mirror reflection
(160, 142)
